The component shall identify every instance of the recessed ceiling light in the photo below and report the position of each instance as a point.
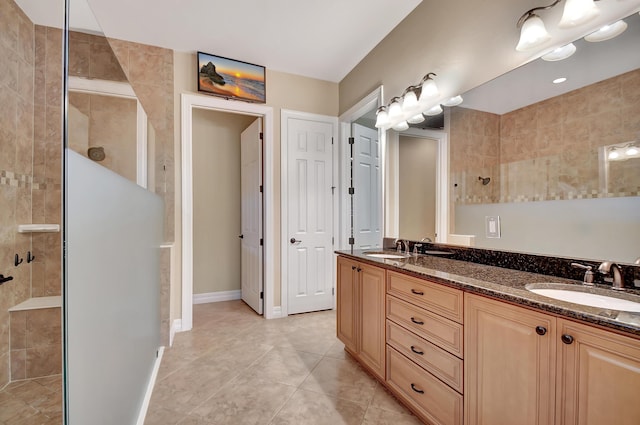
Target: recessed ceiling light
(559, 80)
(560, 53)
(607, 32)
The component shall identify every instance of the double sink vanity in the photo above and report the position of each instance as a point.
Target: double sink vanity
(461, 341)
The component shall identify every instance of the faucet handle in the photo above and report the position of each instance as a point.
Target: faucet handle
(588, 274)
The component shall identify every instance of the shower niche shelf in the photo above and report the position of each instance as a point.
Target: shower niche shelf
(38, 228)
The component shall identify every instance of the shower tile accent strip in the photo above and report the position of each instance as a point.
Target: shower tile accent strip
(9, 178)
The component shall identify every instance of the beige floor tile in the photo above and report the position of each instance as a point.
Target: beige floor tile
(375, 416)
(284, 366)
(383, 399)
(336, 351)
(340, 378)
(157, 415)
(244, 402)
(310, 408)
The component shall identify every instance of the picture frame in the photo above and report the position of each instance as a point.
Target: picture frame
(230, 78)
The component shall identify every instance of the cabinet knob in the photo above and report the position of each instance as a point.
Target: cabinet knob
(417, 322)
(567, 339)
(541, 330)
(413, 387)
(416, 351)
(359, 269)
(353, 267)
(413, 291)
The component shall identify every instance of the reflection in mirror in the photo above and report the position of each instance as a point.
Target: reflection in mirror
(563, 159)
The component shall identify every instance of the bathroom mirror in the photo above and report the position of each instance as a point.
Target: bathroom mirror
(556, 165)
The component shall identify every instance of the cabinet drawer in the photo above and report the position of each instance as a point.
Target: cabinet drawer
(437, 403)
(439, 331)
(440, 299)
(435, 360)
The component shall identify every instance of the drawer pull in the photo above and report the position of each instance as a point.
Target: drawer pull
(413, 291)
(416, 351)
(413, 387)
(417, 322)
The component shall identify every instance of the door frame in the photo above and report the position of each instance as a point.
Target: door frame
(194, 101)
(442, 182)
(372, 101)
(284, 237)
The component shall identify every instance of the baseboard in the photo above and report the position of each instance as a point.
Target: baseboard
(277, 312)
(175, 327)
(152, 382)
(214, 297)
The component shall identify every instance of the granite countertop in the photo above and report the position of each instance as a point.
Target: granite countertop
(508, 285)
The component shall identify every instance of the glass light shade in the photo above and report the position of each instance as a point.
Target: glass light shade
(429, 90)
(454, 101)
(560, 53)
(382, 119)
(632, 151)
(533, 34)
(410, 102)
(607, 32)
(416, 119)
(613, 155)
(395, 110)
(436, 110)
(578, 12)
(401, 126)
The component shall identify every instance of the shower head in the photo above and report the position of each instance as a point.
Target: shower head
(485, 180)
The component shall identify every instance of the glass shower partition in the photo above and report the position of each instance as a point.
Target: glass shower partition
(113, 232)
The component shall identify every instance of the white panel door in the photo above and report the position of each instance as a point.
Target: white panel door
(367, 199)
(309, 215)
(251, 249)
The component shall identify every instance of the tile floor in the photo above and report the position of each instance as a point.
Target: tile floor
(236, 368)
(32, 402)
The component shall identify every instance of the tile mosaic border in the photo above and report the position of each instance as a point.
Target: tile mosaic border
(467, 200)
(9, 178)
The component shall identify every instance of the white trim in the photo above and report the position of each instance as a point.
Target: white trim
(176, 327)
(442, 182)
(372, 101)
(285, 114)
(216, 297)
(121, 90)
(152, 381)
(189, 102)
(392, 198)
(277, 312)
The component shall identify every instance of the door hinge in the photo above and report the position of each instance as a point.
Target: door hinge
(333, 291)
(261, 136)
(261, 188)
(352, 190)
(332, 140)
(352, 241)
(261, 241)
(261, 295)
(351, 140)
(333, 240)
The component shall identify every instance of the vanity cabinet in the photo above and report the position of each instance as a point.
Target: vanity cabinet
(528, 367)
(361, 313)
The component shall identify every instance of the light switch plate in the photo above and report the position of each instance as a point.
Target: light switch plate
(492, 226)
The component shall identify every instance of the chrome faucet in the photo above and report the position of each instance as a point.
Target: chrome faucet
(606, 268)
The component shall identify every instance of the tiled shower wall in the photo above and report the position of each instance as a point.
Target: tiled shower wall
(550, 150)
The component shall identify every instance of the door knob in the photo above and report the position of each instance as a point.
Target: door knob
(294, 240)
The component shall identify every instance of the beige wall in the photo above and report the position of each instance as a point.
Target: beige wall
(417, 187)
(284, 91)
(216, 200)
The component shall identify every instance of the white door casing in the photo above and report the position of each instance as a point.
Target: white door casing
(307, 211)
(251, 216)
(367, 184)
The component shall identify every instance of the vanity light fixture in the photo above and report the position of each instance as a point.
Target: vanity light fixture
(560, 53)
(578, 12)
(607, 32)
(410, 100)
(429, 89)
(559, 80)
(454, 101)
(382, 117)
(533, 33)
(622, 152)
(395, 109)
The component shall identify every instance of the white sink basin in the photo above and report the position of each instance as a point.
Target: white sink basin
(593, 297)
(386, 255)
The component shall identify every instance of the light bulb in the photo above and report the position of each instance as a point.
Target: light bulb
(578, 12)
(401, 126)
(533, 34)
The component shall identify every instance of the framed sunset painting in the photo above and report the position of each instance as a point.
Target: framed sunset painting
(231, 79)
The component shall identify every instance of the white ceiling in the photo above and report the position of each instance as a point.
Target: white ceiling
(318, 39)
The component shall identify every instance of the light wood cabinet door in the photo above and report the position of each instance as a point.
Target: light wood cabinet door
(600, 376)
(372, 318)
(509, 366)
(347, 303)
